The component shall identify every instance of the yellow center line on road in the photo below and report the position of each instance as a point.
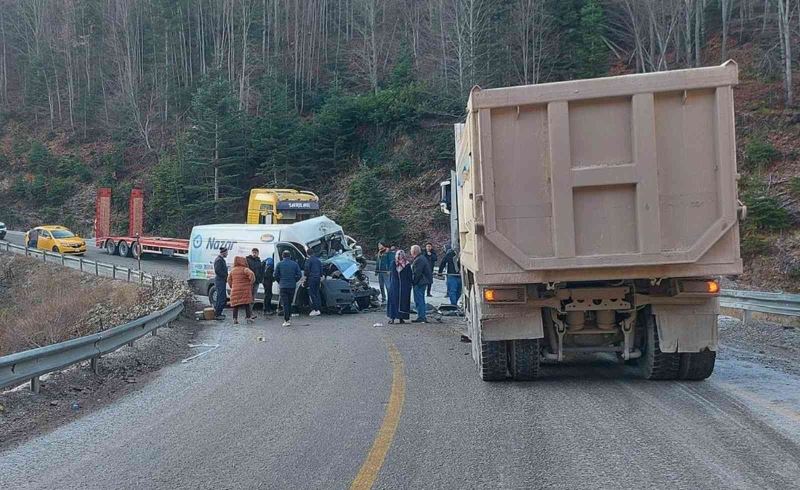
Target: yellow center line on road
(383, 440)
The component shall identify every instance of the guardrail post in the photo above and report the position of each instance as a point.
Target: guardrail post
(35, 384)
(44, 257)
(62, 259)
(748, 317)
(155, 332)
(26, 249)
(80, 262)
(129, 274)
(130, 344)
(114, 271)
(96, 269)
(95, 365)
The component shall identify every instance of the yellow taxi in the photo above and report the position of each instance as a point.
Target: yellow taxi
(55, 238)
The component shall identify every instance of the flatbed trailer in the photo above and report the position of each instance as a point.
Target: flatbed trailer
(134, 244)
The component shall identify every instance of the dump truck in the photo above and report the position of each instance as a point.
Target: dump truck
(281, 206)
(597, 216)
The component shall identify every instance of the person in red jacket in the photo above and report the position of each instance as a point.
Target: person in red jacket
(241, 280)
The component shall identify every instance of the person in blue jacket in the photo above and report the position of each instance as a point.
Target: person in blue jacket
(287, 273)
(313, 270)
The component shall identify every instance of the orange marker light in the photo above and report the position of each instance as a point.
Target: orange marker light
(713, 287)
(489, 295)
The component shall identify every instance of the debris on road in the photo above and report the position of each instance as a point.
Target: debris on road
(211, 348)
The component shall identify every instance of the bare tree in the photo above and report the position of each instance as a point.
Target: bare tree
(785, 41)
(532, 27)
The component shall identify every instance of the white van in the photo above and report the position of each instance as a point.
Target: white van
(342, 286)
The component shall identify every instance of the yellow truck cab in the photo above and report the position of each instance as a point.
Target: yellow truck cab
(281, 206)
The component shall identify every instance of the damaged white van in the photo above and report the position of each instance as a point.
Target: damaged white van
(344, 286)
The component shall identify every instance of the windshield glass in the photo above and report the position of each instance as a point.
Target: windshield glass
(62, 234)
(329, 245)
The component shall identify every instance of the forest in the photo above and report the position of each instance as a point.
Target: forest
(198, 101)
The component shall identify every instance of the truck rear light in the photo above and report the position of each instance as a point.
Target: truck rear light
(698, 287)
(506, 295)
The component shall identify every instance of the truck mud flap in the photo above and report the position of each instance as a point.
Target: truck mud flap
(687, 328)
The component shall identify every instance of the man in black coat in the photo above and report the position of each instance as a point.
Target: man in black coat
(220, 283)
(421, 277)
(430, 255)
(269, 271)
(313, 271)
(254, 264)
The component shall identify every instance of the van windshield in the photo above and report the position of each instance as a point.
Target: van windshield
(329, 245)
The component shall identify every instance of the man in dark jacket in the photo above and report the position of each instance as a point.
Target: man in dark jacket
(269, 278)
(430, 254)
(421, 277)
(254, 264)
(383, 268)
(287, 273)
(313, 270)
(220, 283)
(451, 267)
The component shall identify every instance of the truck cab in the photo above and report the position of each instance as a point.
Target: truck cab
(281, 206)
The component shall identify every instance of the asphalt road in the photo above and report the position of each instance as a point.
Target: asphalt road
(302, 409)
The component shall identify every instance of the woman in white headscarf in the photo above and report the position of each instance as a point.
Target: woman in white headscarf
(398, 306)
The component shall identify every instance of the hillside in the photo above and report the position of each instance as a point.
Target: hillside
(354, 100)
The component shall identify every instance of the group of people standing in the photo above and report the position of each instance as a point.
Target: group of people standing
(400, 276)
(248, 273)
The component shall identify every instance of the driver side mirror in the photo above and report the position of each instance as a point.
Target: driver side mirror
(444, 202)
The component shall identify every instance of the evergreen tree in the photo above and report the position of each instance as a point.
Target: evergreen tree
(592, 49)
(275, 134)
(368, 211)
(216, 153)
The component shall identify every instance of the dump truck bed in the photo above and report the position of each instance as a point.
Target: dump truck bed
(622, 177)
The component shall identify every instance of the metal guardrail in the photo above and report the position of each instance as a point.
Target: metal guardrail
(18, 368)
(99, 269)
(760, 301)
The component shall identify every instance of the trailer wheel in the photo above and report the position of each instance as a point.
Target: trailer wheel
(136, 250)
(696, 366)
(111, 247)
(525, 359)
(494, 360)
(655, 364)
(124, 249)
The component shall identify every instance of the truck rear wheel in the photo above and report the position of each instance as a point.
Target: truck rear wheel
(696, 366)
(494, 360)
(111, 247)
(525, 358)
(136, 250)
(655, 364)
(124, 249)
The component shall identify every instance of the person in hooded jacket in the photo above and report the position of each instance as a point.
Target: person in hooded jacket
(287, 273)
(241, 280)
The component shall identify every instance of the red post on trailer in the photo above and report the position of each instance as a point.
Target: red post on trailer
(102, 219)
(136, 213)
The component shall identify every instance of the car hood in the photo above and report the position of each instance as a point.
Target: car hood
(347, 266)
(71, 241)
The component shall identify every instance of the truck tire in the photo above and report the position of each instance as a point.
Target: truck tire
(124, 249)
(111, 247)
(655, 364)
(494, 360)
(696, 366)
(136, 250)
(524, 359)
